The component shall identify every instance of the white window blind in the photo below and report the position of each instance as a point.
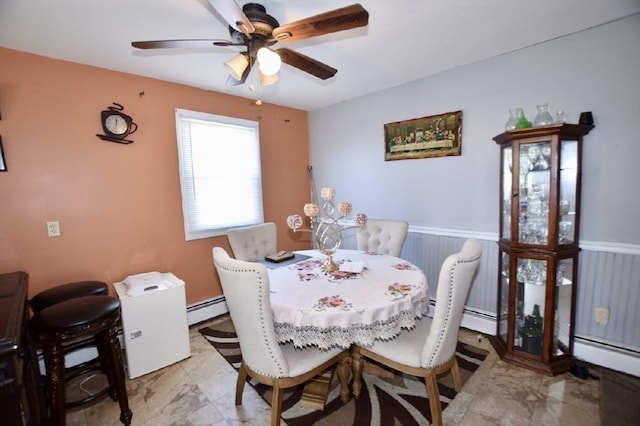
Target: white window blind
(220, 176)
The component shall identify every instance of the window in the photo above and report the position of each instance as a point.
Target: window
(220, 177)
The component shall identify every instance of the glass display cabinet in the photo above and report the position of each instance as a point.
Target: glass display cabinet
(538, 245)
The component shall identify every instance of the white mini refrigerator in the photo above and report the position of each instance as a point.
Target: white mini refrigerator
(155, 327)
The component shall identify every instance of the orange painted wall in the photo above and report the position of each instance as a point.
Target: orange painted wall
(119, 206)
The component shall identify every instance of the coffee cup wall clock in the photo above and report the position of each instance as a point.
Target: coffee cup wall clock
(116, 125)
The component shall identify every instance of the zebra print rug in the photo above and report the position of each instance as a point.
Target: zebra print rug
(399, 400)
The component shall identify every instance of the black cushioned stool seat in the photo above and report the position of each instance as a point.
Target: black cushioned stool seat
(62, 293)
(76, 319)
(68, 291)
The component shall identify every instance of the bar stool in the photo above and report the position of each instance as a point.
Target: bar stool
(75, 319)
(68, 291)
(62, 293)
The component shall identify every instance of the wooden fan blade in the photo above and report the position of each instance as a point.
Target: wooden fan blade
(346, 18)
(306, 64)
(184, 44)
(233, 14)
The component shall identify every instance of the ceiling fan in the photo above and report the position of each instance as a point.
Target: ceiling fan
(255, 31)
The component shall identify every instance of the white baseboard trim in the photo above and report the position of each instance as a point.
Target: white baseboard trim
(613, 358)
(206, 310)
(619, 359)
(483, 322)
(478, 322)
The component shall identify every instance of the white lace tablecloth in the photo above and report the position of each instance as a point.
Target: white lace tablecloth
(311, 307)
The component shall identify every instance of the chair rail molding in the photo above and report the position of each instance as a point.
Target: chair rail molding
(602, 246)
(610, 247)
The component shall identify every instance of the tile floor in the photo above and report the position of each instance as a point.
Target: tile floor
(200, 391)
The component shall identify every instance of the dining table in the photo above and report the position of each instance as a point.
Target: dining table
(369, 297)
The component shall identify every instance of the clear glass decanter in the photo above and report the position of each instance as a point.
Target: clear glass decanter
(543, 118)
(514, 116)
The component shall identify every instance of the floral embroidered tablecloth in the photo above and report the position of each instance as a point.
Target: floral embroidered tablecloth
(311, 307)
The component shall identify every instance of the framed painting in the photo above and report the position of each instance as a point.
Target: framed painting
(433, 136)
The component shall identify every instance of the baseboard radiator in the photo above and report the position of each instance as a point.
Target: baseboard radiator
(602, 353)
(206, 309)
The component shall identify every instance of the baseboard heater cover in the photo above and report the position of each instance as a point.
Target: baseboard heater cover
(206, 310)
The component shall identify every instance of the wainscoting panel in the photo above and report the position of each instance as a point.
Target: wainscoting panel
(428, 251)
(609, 277)
(611, 281)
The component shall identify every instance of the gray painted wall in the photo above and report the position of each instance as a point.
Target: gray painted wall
(596, 70)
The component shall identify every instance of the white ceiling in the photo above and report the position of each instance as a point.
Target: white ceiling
(405, 40)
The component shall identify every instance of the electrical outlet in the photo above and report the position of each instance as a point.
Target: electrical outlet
(53, 229)
(602, 315)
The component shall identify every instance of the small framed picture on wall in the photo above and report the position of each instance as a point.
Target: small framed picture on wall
(3, 162)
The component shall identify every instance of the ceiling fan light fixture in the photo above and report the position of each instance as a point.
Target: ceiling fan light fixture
(246, 29)
(269, 61)
(251, 28)
(267, 80)
(237, 65)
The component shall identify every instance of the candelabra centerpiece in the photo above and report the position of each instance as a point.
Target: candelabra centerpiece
(326, 228)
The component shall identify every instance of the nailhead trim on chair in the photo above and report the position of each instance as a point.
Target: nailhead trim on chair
(447, 316)
(262, 321)
(264, 332)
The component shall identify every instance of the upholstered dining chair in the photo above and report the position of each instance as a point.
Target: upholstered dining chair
(252, 243)
(429, 349)
(382, 236)
(246, 289)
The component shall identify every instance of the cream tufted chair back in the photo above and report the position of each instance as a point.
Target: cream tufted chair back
(383, 236)
(281, 366)
(253, 243)
(428, 350)
(454, 282)
(246, 290)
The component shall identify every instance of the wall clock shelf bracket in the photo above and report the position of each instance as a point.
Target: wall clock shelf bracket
(122, 141)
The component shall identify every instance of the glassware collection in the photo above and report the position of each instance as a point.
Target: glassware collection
(518, 120)
(534, 193)
(539, 224)
(533, 208)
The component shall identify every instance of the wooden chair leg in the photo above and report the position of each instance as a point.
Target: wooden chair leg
(242, 378)
(343, 377)
(356, 368)
(431, 382)
(276, 404)
(455, 372)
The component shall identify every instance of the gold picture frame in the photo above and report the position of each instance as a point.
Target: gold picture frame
(433, 136)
